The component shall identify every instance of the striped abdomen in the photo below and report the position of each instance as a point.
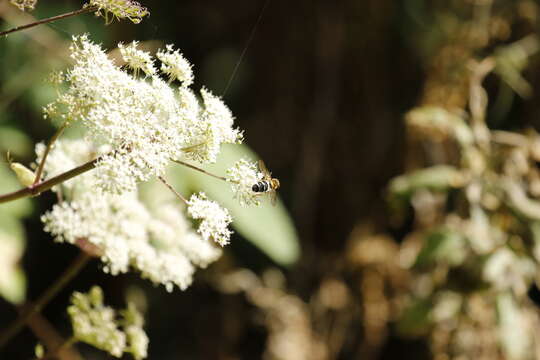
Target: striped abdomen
(261, 186)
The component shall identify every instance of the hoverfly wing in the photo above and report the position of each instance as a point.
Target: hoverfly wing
(273, 198)
(264, 169)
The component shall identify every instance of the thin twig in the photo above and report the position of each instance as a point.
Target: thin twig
(48, 184)
(53, 354)
(49, 337)
(47, 296)
(51, 19)
(172, 189)
(203, 171)
(55, 137)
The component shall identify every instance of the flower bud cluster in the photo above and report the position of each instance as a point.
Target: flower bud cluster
(100, 325)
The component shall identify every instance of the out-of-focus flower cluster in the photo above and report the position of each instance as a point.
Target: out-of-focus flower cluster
(474, 253)
(287, 318)
(105, 328)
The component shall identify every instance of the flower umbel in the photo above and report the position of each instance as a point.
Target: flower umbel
(137, 59)
(214, 219)
(145, 122)
(155, 239)
(175, 66)
(120, 9)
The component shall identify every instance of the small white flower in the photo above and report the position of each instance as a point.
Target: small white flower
(211, 130)
(175, 65)
(214, 219)
(242, 176)
(137, 59)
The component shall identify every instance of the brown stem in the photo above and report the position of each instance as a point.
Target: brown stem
(47, 296)
(47, 335)
(173, 189)
(203, 171)
(48, 184)
(51, 19)
(53, 354)
(55, 137)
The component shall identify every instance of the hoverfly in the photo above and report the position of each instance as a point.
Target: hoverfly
(267, 185)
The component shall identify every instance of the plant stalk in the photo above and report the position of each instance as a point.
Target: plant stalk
(48, 149)
(48, 184)
(50, 19)
(45, 298)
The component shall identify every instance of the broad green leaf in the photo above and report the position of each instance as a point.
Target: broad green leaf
(12, 244)
(267, 227)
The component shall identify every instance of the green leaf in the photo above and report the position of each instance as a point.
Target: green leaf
(15, 141)
(12, 244)
(267, 227)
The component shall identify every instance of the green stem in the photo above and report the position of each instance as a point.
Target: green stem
(48, 184)
(47, 296)
(48, 20)
(55, 137)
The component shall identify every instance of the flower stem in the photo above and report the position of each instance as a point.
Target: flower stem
(48, 184)
(47, 296)
(53, 354)
(39, 171)
(48, 20)
(173, 190)
(203, 171)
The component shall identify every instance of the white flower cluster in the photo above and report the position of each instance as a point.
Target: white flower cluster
(175, 66)
(214, 219)
(242, 176)
(145, 121)
(155, 240)
(136, 59)
(97, 325)
(120, 9)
